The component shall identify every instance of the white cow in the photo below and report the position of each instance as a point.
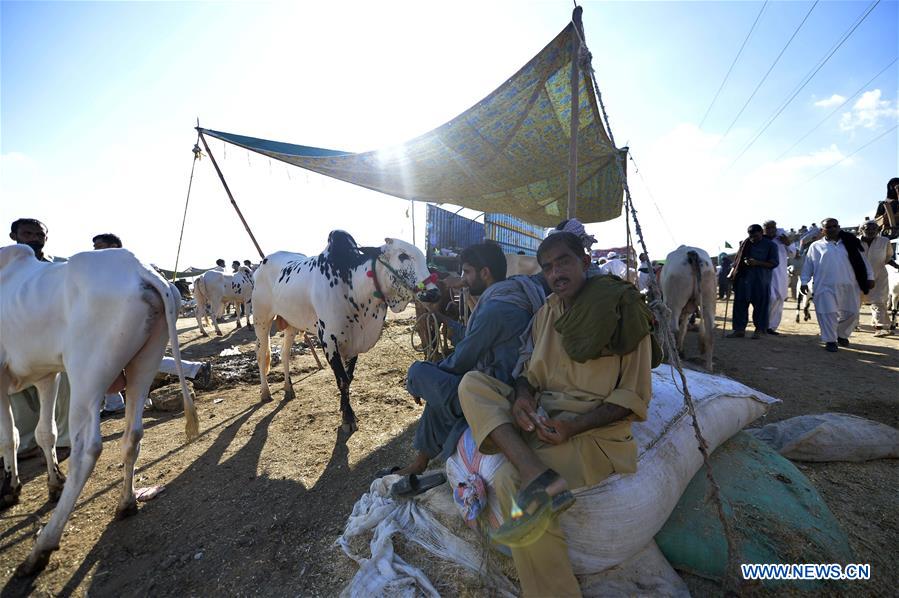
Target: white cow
(342, 294)
(689, 282)
(521, 264)
(215, 288)
(100, 313)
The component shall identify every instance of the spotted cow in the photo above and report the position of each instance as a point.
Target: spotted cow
(215, 288)
(342, 294)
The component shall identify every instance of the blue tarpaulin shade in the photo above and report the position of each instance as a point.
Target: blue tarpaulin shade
(507, 154)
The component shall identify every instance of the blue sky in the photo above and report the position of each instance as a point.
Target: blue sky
(98, 101)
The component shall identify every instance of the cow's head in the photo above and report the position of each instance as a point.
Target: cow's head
(408, 275)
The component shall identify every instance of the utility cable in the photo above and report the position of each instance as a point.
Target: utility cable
(736, 58)
(850, 155)
(771, 68)
(837, 109)
(807, 80)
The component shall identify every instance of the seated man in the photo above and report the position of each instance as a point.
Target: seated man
(489, 344)
(566, 423)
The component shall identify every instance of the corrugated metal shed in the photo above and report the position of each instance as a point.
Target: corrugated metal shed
(447, 230)
(513, 234)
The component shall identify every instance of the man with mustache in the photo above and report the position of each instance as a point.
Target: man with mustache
(751, 276)
(879, 252)
(582, 378)
(490, 344)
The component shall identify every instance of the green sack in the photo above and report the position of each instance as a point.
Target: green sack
(776, 513)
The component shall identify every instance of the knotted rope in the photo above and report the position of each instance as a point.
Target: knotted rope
(665, 336)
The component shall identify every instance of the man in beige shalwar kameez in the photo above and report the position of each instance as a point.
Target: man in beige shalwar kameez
(566, 424)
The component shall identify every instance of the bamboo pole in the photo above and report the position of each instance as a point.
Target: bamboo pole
(575, 111)
(228, 191)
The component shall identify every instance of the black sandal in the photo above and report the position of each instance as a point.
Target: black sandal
(413, 485)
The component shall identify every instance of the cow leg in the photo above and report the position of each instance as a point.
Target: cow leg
(682, 330)
(45, 434)
(707, 333)
(88, 389)
(343, 385)
(216, 315)
(139, 372)
(201, 311)
(10, 486)
(290, 334)
(262, 326)
(351, 367)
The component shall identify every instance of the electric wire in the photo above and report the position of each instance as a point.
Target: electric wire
(837, 109)
(807, 80)
(736, 58)
(771, 68)
(850, 155)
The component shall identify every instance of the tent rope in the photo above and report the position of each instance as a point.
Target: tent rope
(665, 337)
(198, 154)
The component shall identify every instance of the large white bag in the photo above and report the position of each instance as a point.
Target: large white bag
(614, 520)
(830, 437)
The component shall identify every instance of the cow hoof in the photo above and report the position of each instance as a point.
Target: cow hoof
(10, 497)
(54, 492)
(289, 394)
(127, 511)
(218, 333)
(204, 333)
(34, 564)
(266, 398)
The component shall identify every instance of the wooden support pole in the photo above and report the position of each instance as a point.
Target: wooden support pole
(575, 110)
(228, 191)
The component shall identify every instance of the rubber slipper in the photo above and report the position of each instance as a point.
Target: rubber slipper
(528, 523)
(386, 471)
(413, 485)
(535, 511)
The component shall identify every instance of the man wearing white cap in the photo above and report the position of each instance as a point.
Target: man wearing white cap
(615, 266)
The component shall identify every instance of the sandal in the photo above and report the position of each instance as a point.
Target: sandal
(537, 510)
(413, 485)
(387, 471)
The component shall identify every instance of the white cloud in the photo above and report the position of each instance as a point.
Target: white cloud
(834, 100)
(869, 112)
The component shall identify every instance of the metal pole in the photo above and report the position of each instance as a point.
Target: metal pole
(575, 111)
(228, 191)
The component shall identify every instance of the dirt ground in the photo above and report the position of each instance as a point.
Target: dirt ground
(254, 505)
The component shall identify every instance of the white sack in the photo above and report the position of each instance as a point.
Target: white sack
(647, 573)
(830, 437)
(615, 519)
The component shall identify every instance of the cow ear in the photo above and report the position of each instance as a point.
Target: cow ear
(388, 240)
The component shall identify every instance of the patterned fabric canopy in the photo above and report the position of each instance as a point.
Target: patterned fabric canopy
(507, 154)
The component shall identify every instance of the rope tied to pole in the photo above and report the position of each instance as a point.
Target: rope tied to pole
(665, 336)
(198, 155)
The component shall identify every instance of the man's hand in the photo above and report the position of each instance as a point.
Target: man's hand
(804, 289)
(524, 411)
(554, 431)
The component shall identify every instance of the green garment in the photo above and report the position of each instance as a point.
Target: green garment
(608, 317)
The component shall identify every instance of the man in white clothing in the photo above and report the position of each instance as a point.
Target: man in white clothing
(615, 266)
(879, 252)
(839, 268)
(779, 275)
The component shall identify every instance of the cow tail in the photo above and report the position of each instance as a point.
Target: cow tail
(169, 292)
(696, 264)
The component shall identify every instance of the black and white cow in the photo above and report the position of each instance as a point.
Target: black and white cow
(343, 294)
(214, 289)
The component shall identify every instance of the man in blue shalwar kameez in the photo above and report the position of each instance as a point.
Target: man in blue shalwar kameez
(489, 344)
(755, 261)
